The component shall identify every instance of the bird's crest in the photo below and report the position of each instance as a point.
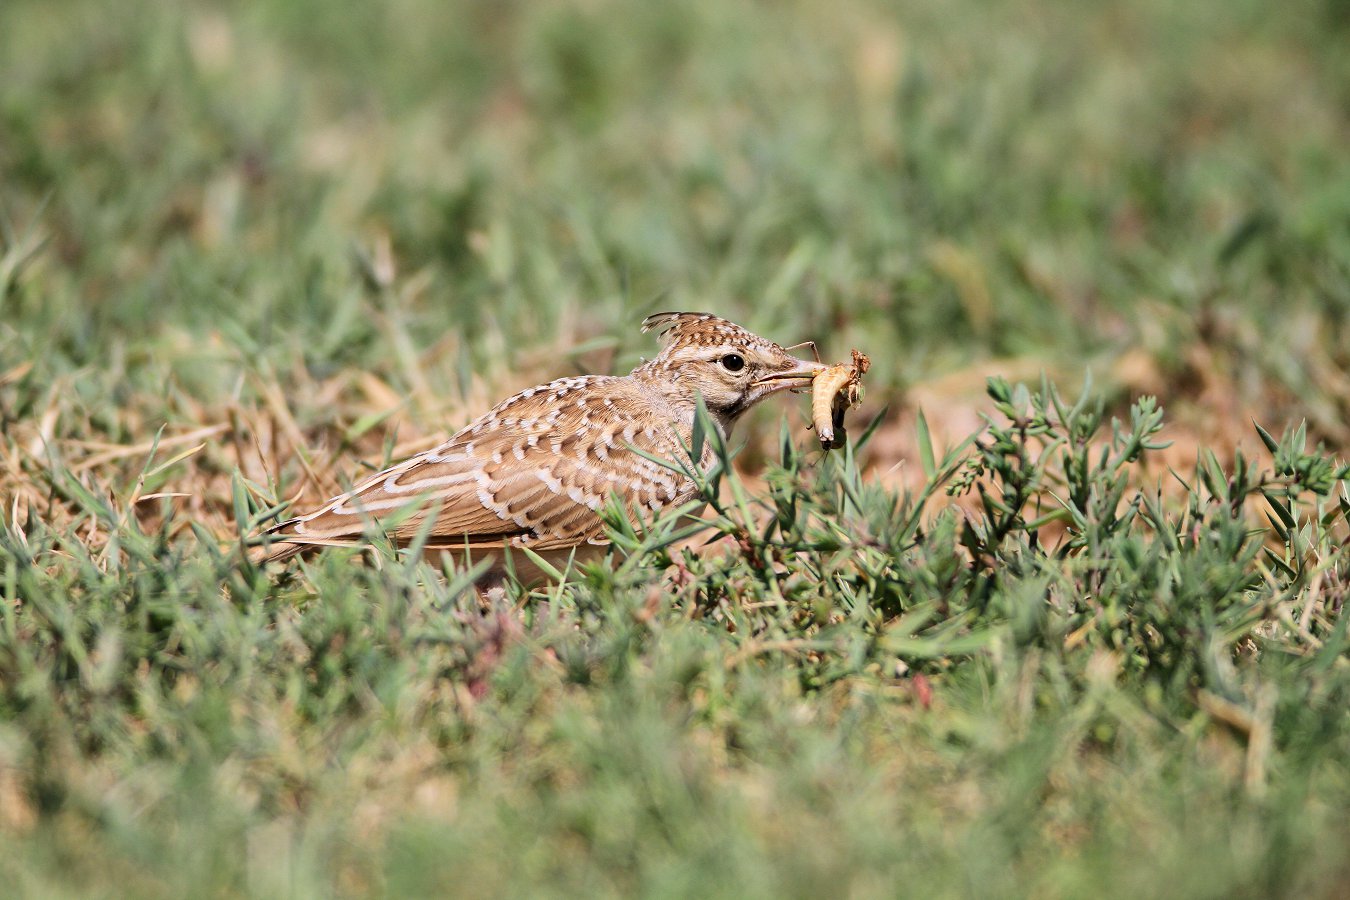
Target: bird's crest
(695, 329)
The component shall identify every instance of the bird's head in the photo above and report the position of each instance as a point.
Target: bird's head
(731, 368)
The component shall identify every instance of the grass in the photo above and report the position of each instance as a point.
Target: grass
(1086, 644)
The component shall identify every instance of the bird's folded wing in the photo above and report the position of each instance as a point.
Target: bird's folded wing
(535, 482)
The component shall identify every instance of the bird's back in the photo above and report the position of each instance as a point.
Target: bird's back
(532, 472)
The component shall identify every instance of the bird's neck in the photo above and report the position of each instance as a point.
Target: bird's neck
(679, 406)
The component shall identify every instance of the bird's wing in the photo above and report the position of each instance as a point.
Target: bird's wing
(532, 472)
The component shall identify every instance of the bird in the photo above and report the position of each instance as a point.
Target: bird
(535, 471)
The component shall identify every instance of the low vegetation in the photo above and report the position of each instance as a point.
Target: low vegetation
(1065, 617)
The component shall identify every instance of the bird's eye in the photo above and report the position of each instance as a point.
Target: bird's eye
(733, 362)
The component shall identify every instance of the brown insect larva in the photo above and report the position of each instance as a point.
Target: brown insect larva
(834, 390)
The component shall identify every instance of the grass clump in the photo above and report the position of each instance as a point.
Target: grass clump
(855, 686)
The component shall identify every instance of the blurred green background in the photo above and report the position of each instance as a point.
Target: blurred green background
(332, 226)
(937, 183)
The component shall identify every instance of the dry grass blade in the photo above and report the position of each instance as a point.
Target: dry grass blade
(114, 452)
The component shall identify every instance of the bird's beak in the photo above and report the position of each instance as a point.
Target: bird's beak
(798, 376)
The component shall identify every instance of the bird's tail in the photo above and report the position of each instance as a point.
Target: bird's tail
(280, 551)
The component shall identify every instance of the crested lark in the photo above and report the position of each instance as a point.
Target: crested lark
(534, 471)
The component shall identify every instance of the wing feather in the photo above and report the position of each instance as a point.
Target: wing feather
(532, 472)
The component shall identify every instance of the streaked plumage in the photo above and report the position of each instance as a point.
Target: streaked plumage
(535, 469)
